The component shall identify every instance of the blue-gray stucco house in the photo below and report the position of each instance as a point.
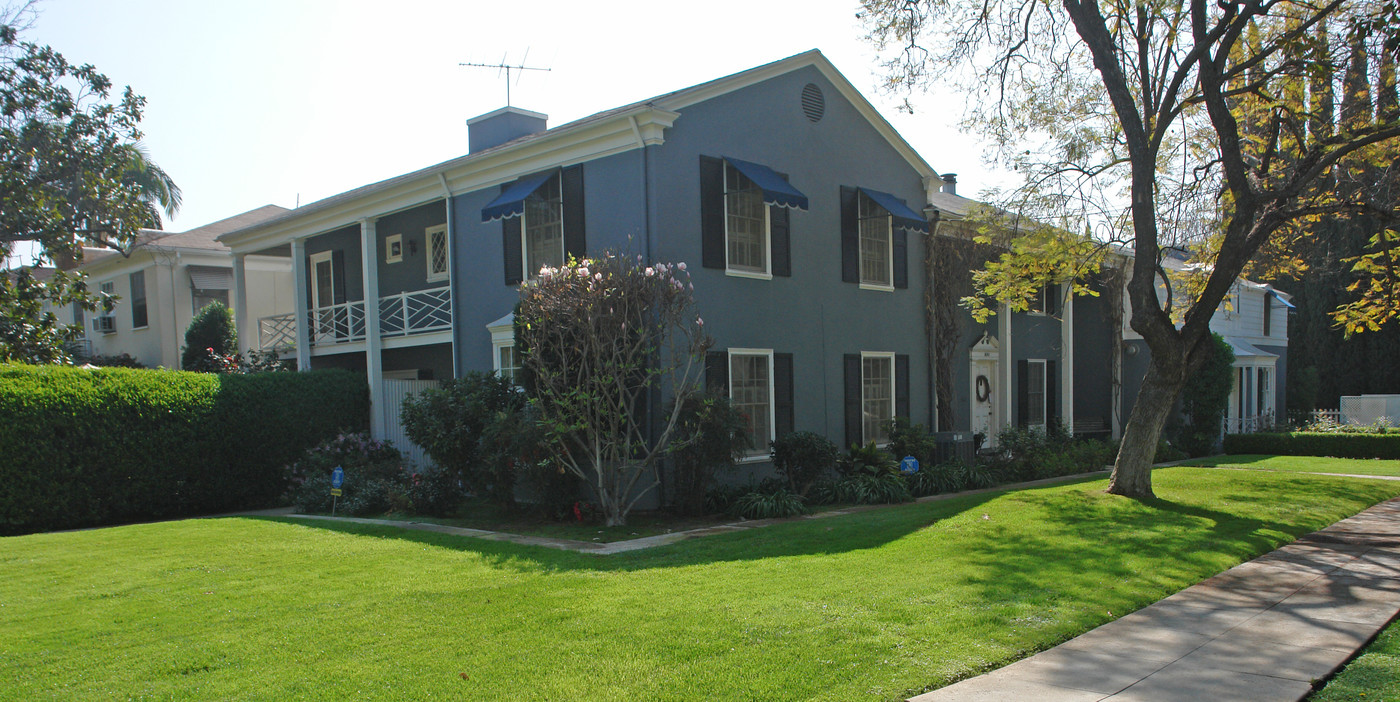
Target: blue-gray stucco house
(803, 216)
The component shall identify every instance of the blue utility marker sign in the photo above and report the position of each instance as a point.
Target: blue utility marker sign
(337, 477)
(909, 465)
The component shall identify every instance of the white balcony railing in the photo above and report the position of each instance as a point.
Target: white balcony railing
(278, 332)
(416, 312)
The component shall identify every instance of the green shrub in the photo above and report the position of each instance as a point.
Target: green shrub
(86, 447)
(210, 332)
(871, 489)
(477, 427)
(711, 436)
(1338, 445)
(802, 458)
(908, 439)
(868, 460)
(1204, 399)
(770, 504)
(374, 475)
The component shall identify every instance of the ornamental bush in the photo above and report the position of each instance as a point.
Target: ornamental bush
(87, 447)
(210, 332)
(803, 457)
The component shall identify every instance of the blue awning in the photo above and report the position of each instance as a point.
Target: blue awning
(1280, 298)
(511, 203)
(904, 217)
(776, 191)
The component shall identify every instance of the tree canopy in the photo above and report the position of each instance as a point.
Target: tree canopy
(72, 174)
(1158, 124)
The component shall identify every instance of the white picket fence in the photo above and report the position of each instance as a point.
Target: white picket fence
(395, 392)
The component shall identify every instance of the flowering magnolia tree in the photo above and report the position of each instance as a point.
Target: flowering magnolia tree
(600, 340)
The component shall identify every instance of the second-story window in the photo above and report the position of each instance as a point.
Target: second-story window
(544, 228)
(438, 259)
(745, 223)
(876, 254)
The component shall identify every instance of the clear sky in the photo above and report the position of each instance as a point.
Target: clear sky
(256, 102)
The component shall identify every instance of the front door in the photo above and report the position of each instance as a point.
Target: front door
(983, 400)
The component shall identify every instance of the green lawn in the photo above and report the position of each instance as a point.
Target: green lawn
(1305, 464)
(1374, 675)
(878, 605)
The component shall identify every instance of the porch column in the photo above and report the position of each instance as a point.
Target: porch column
(374, 363)
(302, 312)
(1067, 358)
(1005, 369)
(245, 326)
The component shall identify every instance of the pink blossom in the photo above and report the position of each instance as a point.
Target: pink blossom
(583, 271)
(651, 271)
(681, 265)
(699, 321)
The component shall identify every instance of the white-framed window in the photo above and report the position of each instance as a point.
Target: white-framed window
(876, 395)
(393, 248)
(1043, 301)
(1035, 393)
(106, 322)
(876, 245)
(504, 360)
(542, 228)
(438, 258)
(746, 226)
(139, 316)
(751, 393)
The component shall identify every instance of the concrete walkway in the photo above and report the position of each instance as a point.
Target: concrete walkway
(1261, 631)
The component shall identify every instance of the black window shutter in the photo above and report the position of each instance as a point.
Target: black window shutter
(853, 404)
(782, 391)
(571, 188)
(717, 372)
(850, 235)
(711, 212)
(780, 226)
(1052, 399)
(901, 385)
(338, 275)
(901, 258)
(1052, 305)
(1023, 396)
(511, 245)
(1268, 309)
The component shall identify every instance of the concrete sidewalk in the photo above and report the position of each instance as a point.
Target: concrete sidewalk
(1261, 631)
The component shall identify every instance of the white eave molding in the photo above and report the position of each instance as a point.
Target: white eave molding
(565, 146)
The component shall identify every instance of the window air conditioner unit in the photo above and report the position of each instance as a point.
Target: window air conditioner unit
(107, 324)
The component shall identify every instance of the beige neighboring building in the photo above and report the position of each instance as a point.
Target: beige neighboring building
(167, 279)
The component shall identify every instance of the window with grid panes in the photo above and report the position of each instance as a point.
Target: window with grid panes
(875, 244)
(543, 228)
(746, 223)
(437, 253)
(877, 396)
(750, 393)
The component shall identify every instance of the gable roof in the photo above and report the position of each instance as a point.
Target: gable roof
(200, 238)
(603, 133)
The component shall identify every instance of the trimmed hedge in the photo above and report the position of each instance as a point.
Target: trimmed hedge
(83, 447)
(1307, 443)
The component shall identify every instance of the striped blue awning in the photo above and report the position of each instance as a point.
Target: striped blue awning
(776, 191)
(904, 218)
(511, 203)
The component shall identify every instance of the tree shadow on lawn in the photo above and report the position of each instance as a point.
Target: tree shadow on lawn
(1243, 459)
(999, 549)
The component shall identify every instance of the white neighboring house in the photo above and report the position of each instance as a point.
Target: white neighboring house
(166, 279)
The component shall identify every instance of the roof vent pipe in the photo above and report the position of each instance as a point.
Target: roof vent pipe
(950, 183)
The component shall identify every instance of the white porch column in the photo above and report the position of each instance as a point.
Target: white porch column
(1067, 358)
(245, 325)
(302, 310)
(1005, 369)
(374, 363)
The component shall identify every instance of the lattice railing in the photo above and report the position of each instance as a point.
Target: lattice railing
(338, 323)
(277, 332)
(416, 312)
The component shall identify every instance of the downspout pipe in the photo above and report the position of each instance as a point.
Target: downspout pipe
(934, 216)
(451, 269)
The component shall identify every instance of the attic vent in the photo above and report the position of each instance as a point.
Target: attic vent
(813, 102)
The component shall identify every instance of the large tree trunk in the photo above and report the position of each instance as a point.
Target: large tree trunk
(1132, 471)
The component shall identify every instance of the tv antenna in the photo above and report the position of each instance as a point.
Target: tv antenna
(507, 68)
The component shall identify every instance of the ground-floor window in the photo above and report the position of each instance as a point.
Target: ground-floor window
(751, 393)
(876, 396)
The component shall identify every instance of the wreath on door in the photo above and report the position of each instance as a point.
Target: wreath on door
(984, 388)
